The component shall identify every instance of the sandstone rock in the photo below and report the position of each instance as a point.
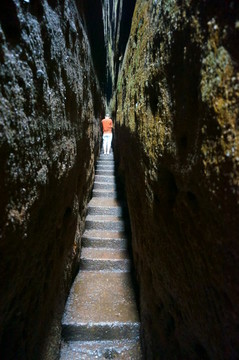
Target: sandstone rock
(49, 137)
(176, 109)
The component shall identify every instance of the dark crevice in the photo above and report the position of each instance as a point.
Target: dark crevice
(91, 12)
(201, 352)
(36, 9)
(125, 26)
(92, 15)
(10, 22)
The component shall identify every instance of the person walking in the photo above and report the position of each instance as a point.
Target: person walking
(107, 125)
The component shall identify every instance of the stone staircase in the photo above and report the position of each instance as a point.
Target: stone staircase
(101, 319)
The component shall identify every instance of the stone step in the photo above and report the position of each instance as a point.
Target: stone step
(104, 185)
(104, 193)
(101, 306)
(103, 222)
(106, 167)
(106, 156)
(104, 254)
(104, 259)
(104, 206)
(104, 239)
(105, 178)
(105, 161)
(100, 331)
(86, 350)
(100, 319)
(104, 172)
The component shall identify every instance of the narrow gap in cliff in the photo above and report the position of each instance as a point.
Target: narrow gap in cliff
(107, 47)
(125, 27)
(91, 13)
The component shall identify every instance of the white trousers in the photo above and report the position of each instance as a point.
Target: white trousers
(107, 139)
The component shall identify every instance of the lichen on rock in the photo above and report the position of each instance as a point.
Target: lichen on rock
(176, 110)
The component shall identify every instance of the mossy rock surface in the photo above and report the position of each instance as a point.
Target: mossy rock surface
(176, 110)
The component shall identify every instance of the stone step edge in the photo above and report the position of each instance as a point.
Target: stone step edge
(104, 210)
(103, 162)
(101, 218)
(105, 191)
(82, 345)
(113, 260)
(106, 221)
(105, 172)
(88, 235)
(116, 265)
(105, 195)
(105, 243)
(105, 167)
(101, 331)
(90, 206)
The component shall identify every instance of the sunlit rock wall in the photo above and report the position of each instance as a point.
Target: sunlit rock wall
(177, 150)
(116, 16)
(50, 107)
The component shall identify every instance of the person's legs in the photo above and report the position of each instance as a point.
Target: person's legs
(104, 143)
(109, 143)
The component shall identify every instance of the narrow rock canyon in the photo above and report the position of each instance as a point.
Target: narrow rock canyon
(168, 73)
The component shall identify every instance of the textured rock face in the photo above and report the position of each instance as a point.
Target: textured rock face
(50, 106)
(117, 16)
(177, 148)
(92, 15)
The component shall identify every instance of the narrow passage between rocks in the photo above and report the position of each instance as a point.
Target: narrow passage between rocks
(101, 319)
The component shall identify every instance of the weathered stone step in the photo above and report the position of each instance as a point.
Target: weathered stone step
(101, 306)
(86, 350)
(104, 239)
(105, 161)
(104, 206)
(105, 265)
(104, 185)
(104, 193)
(104, 172)
(100, 331)
(103, 222)
(104, 259)
(105, 178)
(104, 254)
(105, 167)
(106, 156)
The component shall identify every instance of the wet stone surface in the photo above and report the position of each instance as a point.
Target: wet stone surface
(101, 297)
(101, 319)
(101, 350)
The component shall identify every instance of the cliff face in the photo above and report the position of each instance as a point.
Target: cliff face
(49, 137)
(117, 16)
(92, 14)
(177, 149)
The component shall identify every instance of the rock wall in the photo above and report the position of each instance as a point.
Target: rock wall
(116, 16)
(50, 105)
(92, 14)
(176, 109)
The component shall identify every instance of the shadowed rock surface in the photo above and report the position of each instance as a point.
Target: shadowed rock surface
(177, 150)
(50, 106)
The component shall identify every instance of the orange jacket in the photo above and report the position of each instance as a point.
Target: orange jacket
(107, 126)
